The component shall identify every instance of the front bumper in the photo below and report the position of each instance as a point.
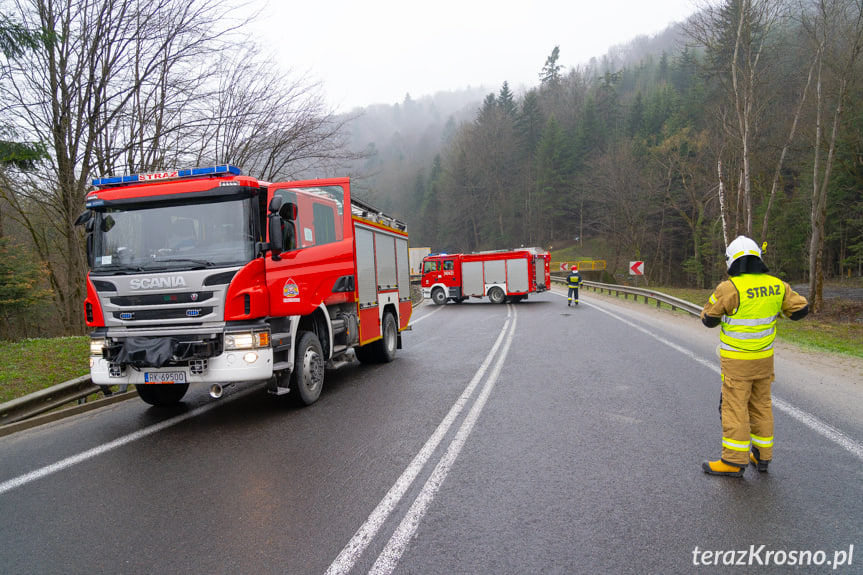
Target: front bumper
(229, 367)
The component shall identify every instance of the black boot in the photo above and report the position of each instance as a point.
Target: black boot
(756, 461)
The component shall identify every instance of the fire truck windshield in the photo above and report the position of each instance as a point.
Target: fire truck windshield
(151, 237)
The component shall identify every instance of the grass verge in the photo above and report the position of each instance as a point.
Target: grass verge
(33, 364)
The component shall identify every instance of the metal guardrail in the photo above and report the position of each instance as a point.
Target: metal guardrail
(46, 399)
(647, 294)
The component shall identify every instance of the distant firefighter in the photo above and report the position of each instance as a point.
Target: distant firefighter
(574, 282)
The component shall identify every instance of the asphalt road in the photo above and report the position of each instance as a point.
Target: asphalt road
(522, 439)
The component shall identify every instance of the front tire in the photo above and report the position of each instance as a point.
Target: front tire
(160, 394)
(307, 378)
(438, 296)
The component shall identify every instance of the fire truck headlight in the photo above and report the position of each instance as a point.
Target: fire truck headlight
(96, 346)
(247, 340)
(239, 340)
(250, 357)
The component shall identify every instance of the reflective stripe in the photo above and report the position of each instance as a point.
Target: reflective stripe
(749, 322)
(713, 299)
(735, 445)
(762, 441)
(749, 334)
(726, 347)
(745, 253)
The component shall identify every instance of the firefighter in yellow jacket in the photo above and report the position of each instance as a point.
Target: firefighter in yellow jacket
(573, 280)
(747, 306)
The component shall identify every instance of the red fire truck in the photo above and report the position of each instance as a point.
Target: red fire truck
(501, 275)
(210, 276)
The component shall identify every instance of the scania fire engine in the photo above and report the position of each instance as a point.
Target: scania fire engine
(501, 275)
(211, 276)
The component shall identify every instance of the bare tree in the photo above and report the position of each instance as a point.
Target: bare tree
(272, 125)
(737, 35)
(627, 201)
(75, 93)
(681, 166)
(836, 30)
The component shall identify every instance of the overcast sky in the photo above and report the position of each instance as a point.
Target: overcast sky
(376, 51)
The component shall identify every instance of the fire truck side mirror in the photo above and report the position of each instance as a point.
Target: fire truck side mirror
(87, 218)
(84, 218)
(275, 228)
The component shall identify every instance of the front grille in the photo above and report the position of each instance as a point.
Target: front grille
(161, 299)
(163, 314)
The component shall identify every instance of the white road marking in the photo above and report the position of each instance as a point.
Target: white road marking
(426, 316)
(389, 557)
(16, 482)
(354, 549)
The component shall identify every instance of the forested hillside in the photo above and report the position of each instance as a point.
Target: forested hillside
(745, 120)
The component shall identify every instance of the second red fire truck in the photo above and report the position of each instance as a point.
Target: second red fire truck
(501, 276)
(210, 276)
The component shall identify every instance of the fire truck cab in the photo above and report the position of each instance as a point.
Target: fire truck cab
(210, 276)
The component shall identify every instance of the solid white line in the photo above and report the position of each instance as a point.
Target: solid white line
(389, 557)
(348, 557)
(11, 484)
(821, 427)
(429, 314)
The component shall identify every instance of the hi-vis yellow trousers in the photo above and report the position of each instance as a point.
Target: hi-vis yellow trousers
(747, 419)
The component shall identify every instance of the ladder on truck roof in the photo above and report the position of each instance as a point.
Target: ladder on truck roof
(367, 211)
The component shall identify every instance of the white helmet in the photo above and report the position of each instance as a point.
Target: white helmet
(741, 246)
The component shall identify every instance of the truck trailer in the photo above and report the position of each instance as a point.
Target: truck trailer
(208, 276)
(502, 276)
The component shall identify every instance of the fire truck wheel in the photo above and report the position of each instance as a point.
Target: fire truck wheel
(384, 349)
(389, 341)
(496, 295)
(162, 394)
(307, 378)
(439, 296)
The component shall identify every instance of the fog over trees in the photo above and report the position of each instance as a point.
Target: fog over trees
(744, 120)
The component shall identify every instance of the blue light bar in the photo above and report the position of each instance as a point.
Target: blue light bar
(169, 175)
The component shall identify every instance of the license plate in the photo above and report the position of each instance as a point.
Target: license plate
(165, 377)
